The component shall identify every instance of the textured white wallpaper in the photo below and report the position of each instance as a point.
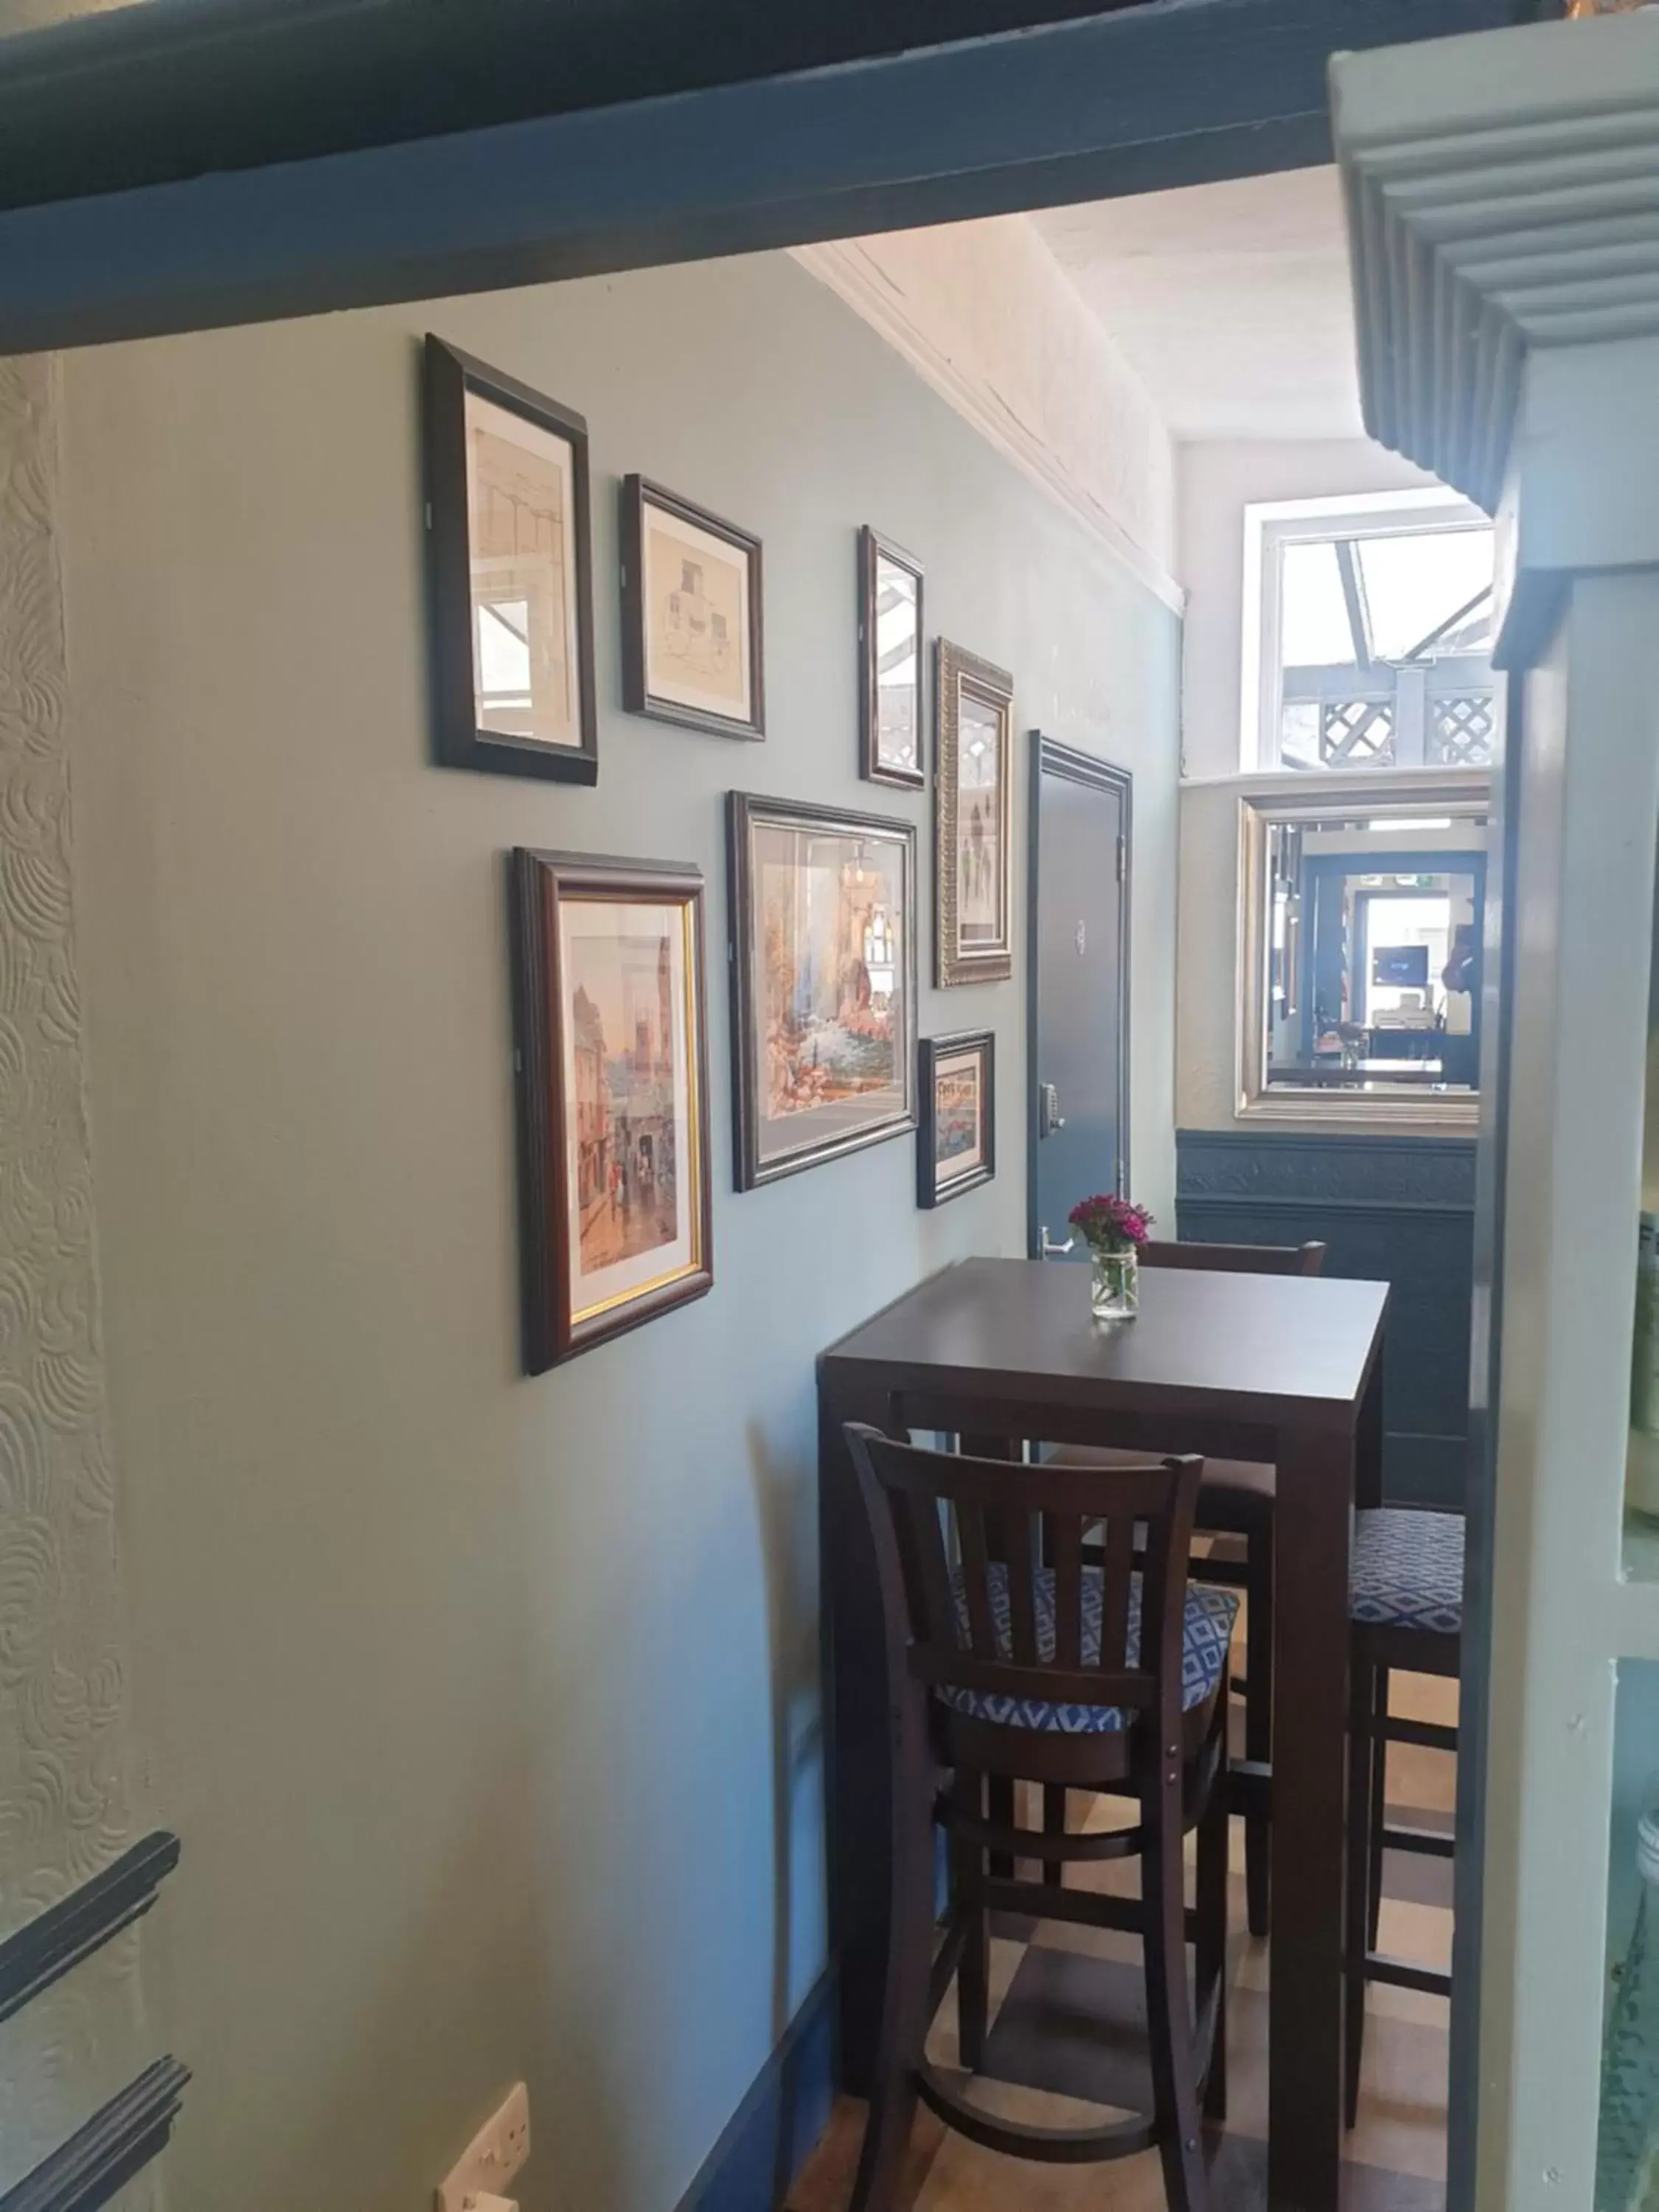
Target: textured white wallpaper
(64, 1799)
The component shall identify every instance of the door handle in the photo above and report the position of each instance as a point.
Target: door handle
(1047, 1249)
(1049, 1117)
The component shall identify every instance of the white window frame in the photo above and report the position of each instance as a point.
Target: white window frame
(1270, 524)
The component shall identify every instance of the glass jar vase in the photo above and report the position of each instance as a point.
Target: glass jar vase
(1114, 1283)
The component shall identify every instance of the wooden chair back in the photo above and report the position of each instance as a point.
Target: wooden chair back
(918, 1501)
(1237, 1259)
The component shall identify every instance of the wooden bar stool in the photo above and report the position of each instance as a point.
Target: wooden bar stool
(1237, 1499)
(1012, 1662)
(1405, 1603)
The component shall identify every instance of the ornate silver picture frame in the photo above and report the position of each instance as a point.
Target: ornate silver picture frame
(973, 783)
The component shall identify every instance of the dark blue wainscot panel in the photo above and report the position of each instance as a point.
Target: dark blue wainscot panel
(1399, 1210)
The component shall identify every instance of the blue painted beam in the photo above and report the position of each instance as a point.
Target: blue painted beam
(176, 89)
(1171, 91)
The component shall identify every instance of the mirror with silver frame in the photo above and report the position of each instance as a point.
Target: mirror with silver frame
(1361, 971)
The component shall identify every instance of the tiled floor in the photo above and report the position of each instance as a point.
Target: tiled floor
(1066, 2046)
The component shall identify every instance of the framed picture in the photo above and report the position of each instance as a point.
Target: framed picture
(955, 1142)
(973, 929)
(512, 574)
(823, 966)
(691, 614)
(614, 1209)
(889, 664)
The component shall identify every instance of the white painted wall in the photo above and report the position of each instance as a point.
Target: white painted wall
(1216, 481)
(986, 313)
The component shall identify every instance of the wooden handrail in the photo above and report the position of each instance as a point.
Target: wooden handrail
(34, 1956)
(118, 2140)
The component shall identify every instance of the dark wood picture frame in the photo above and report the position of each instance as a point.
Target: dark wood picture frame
(744, 811)
(873, 550)
(539, 883)
(638, 493)
(931, 1190)
(955, 672)
(458, 741)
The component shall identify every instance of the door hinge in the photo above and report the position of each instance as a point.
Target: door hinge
(1121, 843)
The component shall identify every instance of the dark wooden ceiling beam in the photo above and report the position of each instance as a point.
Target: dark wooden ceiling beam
(1139, 99)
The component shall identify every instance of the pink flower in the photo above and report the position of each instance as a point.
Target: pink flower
(1110, 1223)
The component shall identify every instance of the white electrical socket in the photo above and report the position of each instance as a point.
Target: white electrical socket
(490, 2159)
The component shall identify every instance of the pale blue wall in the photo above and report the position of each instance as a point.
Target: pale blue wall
(487, 1708)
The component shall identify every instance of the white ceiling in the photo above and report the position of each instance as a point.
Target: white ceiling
(1231, 301)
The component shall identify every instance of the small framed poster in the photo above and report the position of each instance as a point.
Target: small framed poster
(615, 1210)
(512, 574)
(691, 614)
(889, 664)
(823, 967)
(956, 1138)
(972, 786)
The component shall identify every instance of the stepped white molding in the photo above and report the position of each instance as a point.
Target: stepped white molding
(984, 314)
(1502, 199)
(1504, 214)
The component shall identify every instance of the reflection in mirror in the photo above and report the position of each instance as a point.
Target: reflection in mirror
(890, 648)
(898, 665)
(1366, 952)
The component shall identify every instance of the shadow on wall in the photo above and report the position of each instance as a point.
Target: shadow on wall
(469, 1923)
(785, 1492)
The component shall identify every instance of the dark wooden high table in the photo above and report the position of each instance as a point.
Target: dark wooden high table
(1280, 1368)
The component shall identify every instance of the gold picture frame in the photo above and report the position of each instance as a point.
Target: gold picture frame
(615, 1204)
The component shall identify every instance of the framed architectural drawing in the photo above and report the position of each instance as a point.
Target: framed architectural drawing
(512, 574)
(691, 614)
(889, 664)
(973, 936)
(956, 1141)
(823, 966)
(614, 1209)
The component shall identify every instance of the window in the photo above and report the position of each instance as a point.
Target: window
(1372, 648)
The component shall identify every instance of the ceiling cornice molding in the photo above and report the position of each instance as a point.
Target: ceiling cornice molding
(1503, 201)
(853, 270)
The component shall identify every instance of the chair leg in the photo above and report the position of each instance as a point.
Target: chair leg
(1054, 1824)
(1379, 1804)
(1001, 1815)
(910, 1962)
(974, 1965)
(1259, 1718)
(1356, 1936)
(1175, 2073)
(1213, 1836)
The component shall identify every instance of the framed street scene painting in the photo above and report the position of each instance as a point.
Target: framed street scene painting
(889, 664)
(691, 614)
(614, 1211)
(823, 966)
(512, 574)
(955, 1141)
(973, 940)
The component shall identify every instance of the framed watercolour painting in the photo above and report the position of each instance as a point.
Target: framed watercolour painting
(512, 574)
(614, 1212)
(955, 1142)
(691, 614)
(889, 664)
(823, 966)
(973, 940)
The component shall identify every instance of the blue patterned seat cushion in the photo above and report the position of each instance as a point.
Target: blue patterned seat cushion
(1210, 1617)
(1408, 1570)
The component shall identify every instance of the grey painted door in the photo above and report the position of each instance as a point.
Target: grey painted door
(1079, 1064)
